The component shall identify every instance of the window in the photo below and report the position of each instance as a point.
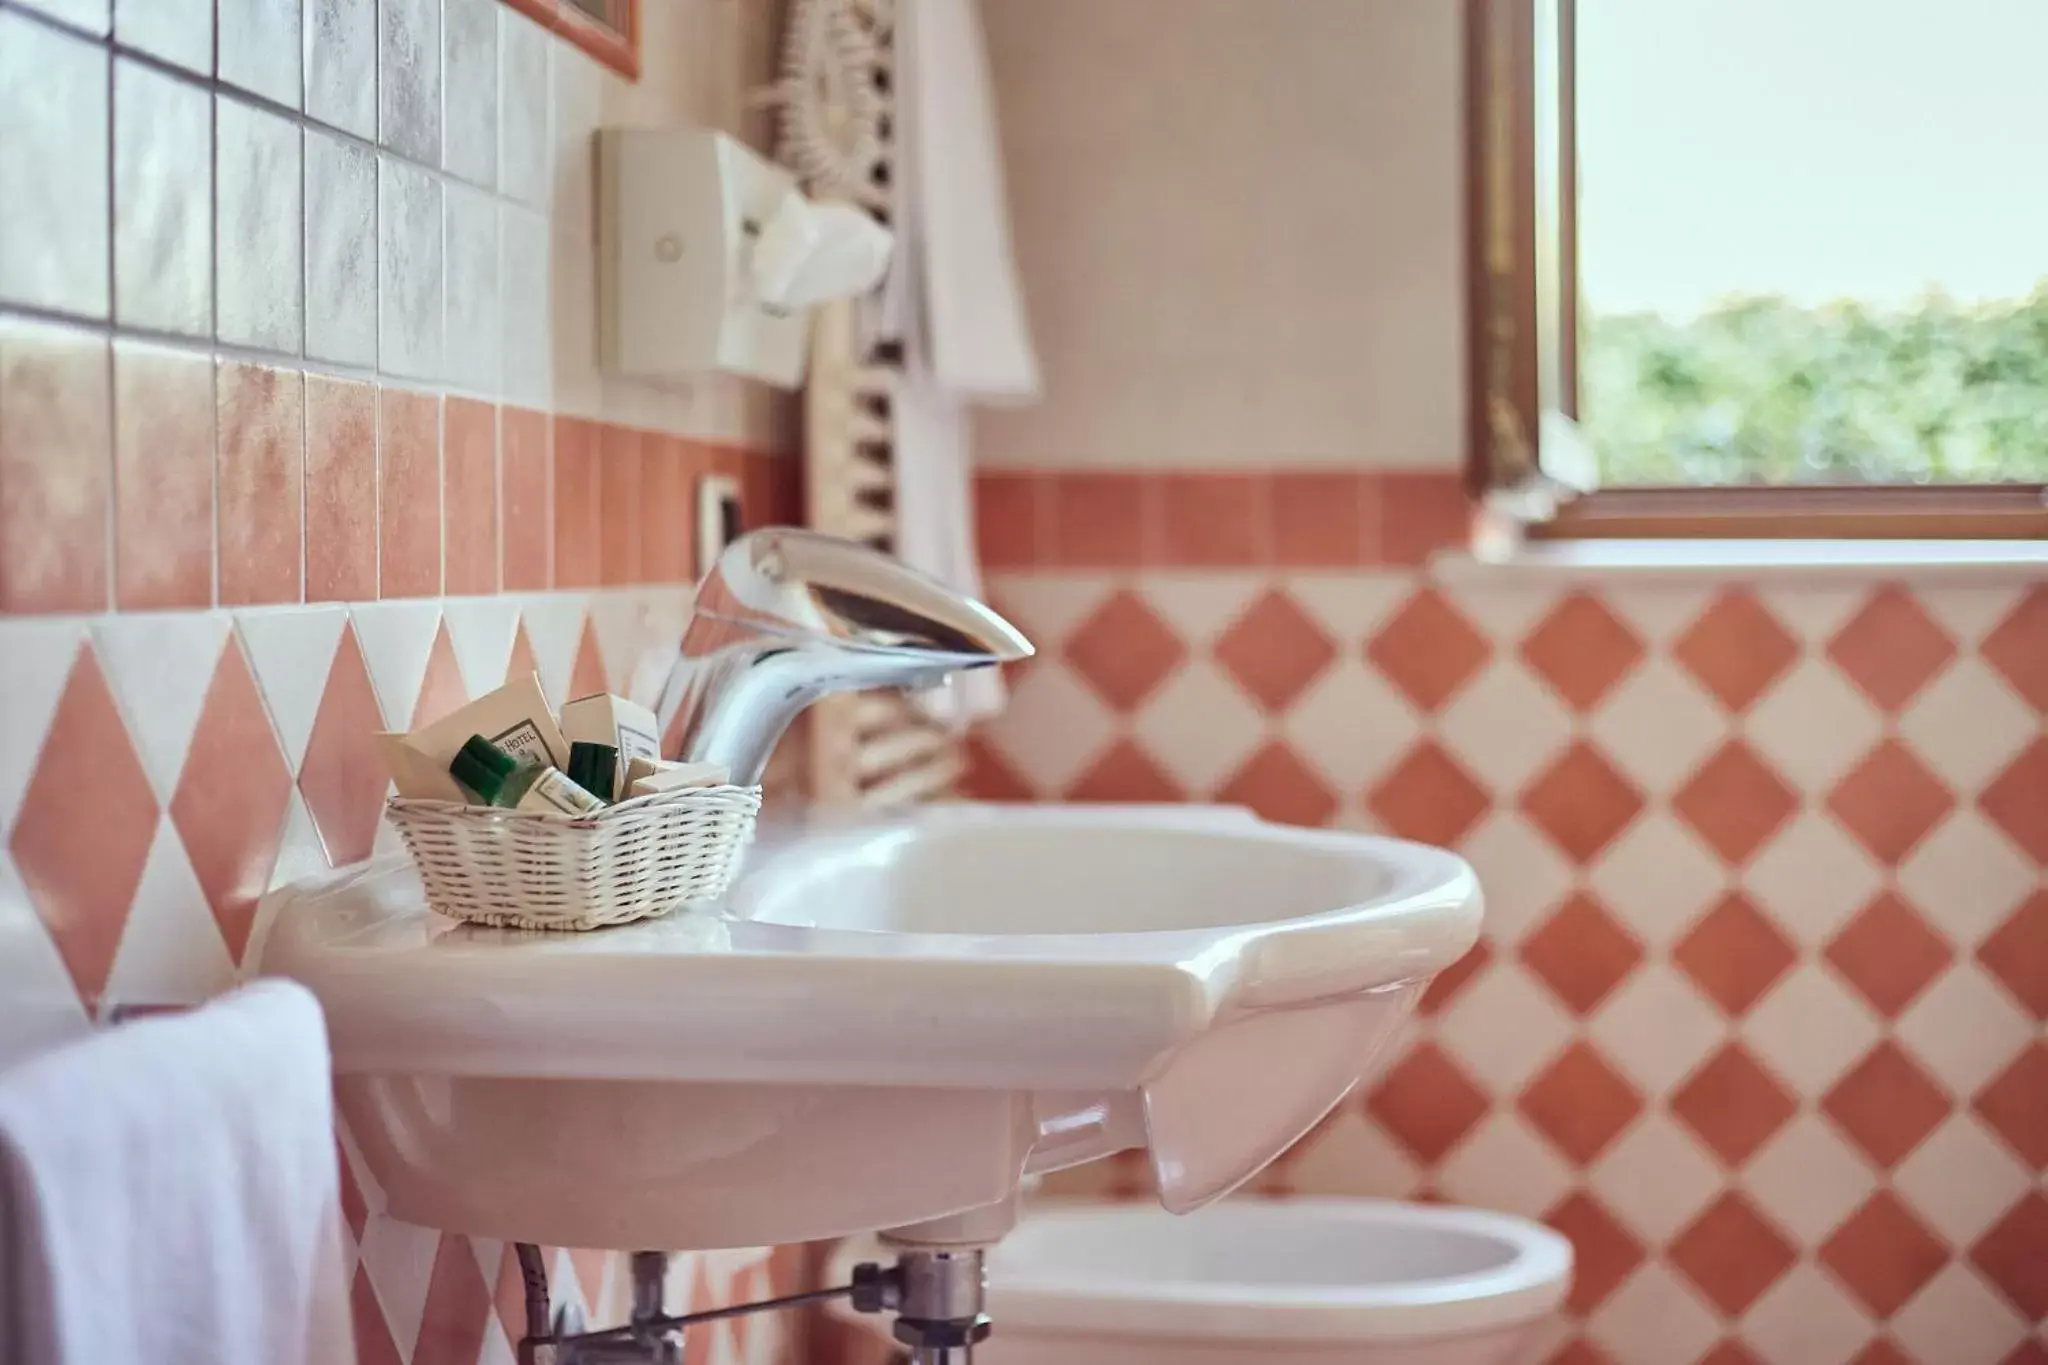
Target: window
(1760, 267)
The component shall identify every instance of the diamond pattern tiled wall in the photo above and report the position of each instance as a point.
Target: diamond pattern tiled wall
(160, 771)
(1758, 1016)
(302, 435)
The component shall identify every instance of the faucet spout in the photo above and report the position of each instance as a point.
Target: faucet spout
(785, 617)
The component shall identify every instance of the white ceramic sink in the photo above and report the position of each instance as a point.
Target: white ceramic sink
(878, 1027)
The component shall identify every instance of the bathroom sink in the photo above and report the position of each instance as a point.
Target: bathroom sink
(879, 1026)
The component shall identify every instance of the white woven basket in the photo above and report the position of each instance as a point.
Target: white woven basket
(540, 870)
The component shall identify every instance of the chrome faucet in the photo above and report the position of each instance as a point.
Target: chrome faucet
(786, 617)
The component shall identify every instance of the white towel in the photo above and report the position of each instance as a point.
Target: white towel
(169, 1193)
(953, 298)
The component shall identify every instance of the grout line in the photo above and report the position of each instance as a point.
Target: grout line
(111, 551)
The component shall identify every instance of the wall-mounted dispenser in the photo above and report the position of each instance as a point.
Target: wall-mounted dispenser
(710, 257)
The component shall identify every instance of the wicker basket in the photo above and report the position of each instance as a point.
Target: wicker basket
(540, 870)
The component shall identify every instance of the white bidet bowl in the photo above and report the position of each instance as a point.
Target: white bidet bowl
(1306, 1281)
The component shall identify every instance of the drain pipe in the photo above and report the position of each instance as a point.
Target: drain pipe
(942, 1282)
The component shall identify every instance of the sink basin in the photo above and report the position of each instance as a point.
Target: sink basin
(879, 1026)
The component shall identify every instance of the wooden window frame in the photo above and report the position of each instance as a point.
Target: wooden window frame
(617, 46)
(1522, 266)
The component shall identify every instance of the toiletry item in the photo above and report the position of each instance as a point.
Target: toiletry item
(676, 776)
(417, 777)
(602, 718)
(496, 778)
(595, 768)
(643, 767)
(515, 718)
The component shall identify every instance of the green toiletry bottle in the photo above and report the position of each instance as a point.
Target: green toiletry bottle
(495, 778)
(595, 768)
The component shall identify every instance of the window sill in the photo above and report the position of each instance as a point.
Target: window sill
(1975, 561)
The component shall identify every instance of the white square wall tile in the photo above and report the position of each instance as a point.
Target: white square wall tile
(163, 202)
(523, 55)
(409, 269)
(90, 15)
(409, 78)
(471, 329)
(259, 48)
(341, 250)
(53, 169)
(176, 31)
(341, 64)
(258, 283)
(526, 347)
(469, 102)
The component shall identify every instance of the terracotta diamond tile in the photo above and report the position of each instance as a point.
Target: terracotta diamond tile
(1886, 1105)
(522, 660)
(1429, 650)
(1736, 802)
(1452, 980)
(586, 675)
(1891, 648)
(1274, 651)
(374, 1345)
(2014, 1256)
(2032, 1351)
(230, 803)
(1580, 1103)
(1428, 797)
(1883, 1254)
(1581, 953)
(1733, 1104)
(342, 777)
(457, 1309)
(1125, 772)
(1729, 1351)
(1581, 802)
(2018, 648)
(1125, 651)
(989, 777)
(87, 820)
(1735, 953)
(1890, 801)
(589, 1264)
(2016, 952)
(1882, 1352)
(1732, 1253)
(1888, 954)
(1736, 649)
(1579, 1351)
(2015, 1104)
(441, 690)
(1582, 650)
(1279, 786)
(2017, 801)
(1605, 1251)
(1427, 1103)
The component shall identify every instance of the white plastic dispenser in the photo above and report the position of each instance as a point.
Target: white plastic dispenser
(711, 257)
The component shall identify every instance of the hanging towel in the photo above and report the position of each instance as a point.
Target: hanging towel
(953, 299)
(169, 1193)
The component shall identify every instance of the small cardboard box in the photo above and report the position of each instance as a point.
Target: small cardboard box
(602, 718)
(515, 718)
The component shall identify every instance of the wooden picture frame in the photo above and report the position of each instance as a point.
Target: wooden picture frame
(608, 30)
